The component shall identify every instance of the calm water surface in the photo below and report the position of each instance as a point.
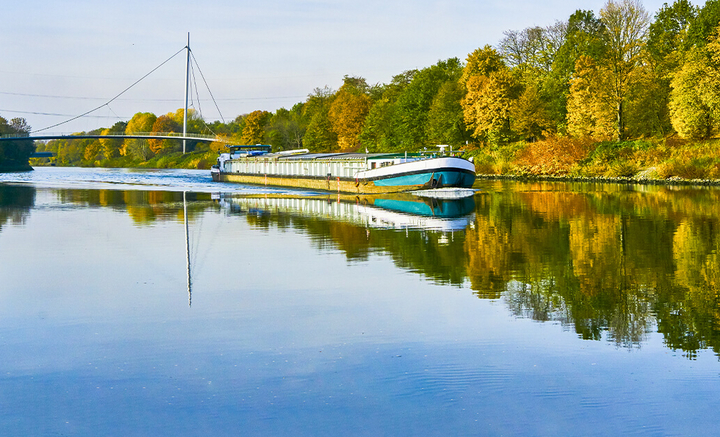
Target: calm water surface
(530, 309)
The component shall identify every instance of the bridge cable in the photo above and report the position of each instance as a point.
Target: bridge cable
(109, 101)
(197, 96)
(208, 87)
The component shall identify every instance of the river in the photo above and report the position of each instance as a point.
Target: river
(156, 302)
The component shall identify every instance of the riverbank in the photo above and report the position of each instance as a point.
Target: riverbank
(643, 161)
(668, 161)
(190, 161)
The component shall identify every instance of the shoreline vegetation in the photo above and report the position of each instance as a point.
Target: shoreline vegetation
(613, 96)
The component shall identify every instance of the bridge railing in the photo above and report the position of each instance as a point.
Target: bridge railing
(115, 134)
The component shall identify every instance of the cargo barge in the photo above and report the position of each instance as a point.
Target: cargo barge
(363, 173)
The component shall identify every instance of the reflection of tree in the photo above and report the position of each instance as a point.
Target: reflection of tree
(689, 313)
(605, 261)
(144, 207)
(15, 204)
(608, 261)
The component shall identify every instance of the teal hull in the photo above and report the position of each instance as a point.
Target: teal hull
(436, 179)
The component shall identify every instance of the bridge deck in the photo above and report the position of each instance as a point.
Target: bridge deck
(139, 135)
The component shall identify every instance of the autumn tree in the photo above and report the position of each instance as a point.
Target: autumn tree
(348, 111)
(254, 130)
(111, 146)
(695, 95)
(142, 122)
(591, 103)
(491, 90)
(93, 150)
(584, 36)
(626, 23)
(165, 124)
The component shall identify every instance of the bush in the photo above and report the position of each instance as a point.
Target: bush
(553, 156)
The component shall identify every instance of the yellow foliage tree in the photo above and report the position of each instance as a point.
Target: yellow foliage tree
(487, 105)
(254, 130)
(626, 23)
(695, 96)
(92, 150)
(591, 109)
(142, 122)
(530, 115)
(347, 116)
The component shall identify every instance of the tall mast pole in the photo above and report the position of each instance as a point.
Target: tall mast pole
(187, 86)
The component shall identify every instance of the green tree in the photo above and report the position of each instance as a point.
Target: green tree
(14, 155)
(584, 37)
(704, 24)
(378, 132)
(668, 31)
(530, 116)
(410, 118)
(665, 46)
(93, 150)
(446, 123)
(195, 125)
(319, 135)
(286, 128)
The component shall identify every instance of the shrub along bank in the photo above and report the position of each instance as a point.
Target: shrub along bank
(659, 160)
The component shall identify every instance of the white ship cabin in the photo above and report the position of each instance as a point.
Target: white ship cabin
(242, 151)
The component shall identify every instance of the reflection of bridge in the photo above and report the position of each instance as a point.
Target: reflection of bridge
(138, 135)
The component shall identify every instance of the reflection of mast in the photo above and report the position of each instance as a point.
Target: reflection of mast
(187, 252)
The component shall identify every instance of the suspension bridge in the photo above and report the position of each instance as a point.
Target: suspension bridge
(184, 136)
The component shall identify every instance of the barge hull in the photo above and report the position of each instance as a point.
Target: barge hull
(452, 178)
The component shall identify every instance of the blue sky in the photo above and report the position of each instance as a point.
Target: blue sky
(61, 59)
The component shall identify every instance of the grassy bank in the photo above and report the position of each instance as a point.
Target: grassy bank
(661, 160)
(192, 160)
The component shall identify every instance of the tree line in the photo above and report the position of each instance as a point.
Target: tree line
(14, 154)
(612, 76)
(615, 75)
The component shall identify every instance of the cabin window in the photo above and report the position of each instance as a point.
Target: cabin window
(373, 165)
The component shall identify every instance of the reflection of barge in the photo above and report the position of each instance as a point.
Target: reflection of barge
(399, 211)
(343, 172)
